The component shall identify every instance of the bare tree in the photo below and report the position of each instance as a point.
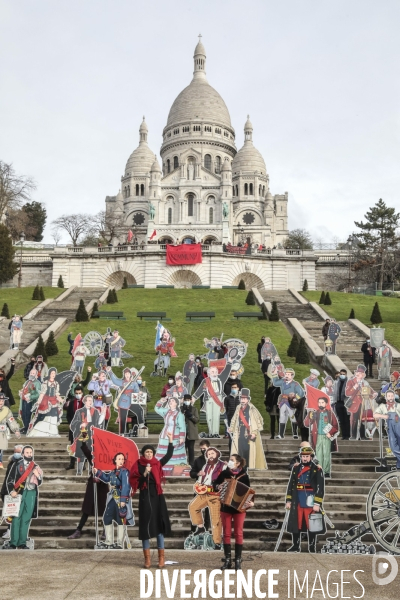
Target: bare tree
(14, 189)
(75, 225)
(107, 226)
(56, 235)
(17, 221)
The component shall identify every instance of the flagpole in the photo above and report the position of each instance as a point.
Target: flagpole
(96, 512)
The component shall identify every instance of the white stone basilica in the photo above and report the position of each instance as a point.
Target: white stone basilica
(206, 191)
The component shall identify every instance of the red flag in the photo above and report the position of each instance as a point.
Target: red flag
(185, 254)
(106, 445)
(77, 341)
(130, 237)
(313, 396)
(220, 363)
(153, 234)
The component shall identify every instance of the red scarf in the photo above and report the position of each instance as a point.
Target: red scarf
(213, 393)
(25, 475)
(156, 470)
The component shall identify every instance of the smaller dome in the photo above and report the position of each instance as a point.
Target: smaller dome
(199, 49)
(248, 124)
(142, 158)
(227, 165)
(248, 159)
(155, 167)
(143, 126)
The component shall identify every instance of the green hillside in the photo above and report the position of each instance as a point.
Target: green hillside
(20, 301)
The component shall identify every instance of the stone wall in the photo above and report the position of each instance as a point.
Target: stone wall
(32, 274)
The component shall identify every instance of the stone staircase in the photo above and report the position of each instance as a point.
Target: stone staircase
(32, 329)
(62, 492)
(288, 306)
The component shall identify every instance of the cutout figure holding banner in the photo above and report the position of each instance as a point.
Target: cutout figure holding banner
(81, 426)
(323, 427)
(360, 405)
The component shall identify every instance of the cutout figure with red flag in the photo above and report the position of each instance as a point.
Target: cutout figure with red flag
(323, 425)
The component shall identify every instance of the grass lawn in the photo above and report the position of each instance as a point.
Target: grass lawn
(363, 305)
(20, 301)
(140, 335)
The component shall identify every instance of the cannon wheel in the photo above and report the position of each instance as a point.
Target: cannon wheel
(383, 511)
(239, 344)
(93, 342)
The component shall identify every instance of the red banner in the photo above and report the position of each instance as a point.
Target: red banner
(185, 254)
(313, 395)
(106, 445)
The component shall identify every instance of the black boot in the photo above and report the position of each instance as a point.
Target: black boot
(238, 557)
(295, 547)
(294, 430)
(282, 427)
(71, 463)
(312, 539)
(228, 557)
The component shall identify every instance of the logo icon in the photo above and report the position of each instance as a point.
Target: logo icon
(384, 568)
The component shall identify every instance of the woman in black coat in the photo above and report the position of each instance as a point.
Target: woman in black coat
(259, 347)
(236, 469)
(5, 386)
(147, 476)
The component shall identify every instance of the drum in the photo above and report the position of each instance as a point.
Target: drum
(236, 494)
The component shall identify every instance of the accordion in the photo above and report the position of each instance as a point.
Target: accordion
(236, 494)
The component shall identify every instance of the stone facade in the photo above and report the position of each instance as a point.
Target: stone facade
(206, 190)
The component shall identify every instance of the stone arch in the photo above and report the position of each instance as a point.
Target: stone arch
(188, 236)
(116, 279)
(208, 239)
(184, 278)
(250, 280)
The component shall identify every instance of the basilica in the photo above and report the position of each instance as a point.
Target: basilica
(205, 190)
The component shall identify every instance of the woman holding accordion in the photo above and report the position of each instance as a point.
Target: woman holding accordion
(236, 470)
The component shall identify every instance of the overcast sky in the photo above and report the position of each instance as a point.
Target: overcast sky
(320, 80)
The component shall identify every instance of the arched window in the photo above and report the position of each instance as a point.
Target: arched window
(246, 189)
(137, 189)
(251, 189)
(237, 191)
(190, 205)
(207, 161)
(169, 216)
(168, 166)
(142, 189)
(128, 189)
(233, 190)
(176, 162)
(218, 164)
(211, 216)
(259, 190)
(125, 192)
(263, 190)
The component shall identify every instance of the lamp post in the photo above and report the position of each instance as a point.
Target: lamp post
(21, 241)
(350, 245)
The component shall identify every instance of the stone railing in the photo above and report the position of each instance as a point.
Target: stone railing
(334, 257)
(35, 257)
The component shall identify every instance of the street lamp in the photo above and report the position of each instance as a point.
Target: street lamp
(350, 245)
(21, 241)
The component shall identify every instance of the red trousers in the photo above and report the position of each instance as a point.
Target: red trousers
(303, 513)
(238, 522)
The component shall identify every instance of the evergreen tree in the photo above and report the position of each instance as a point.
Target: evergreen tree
(115, 295)
(328, 300)
(242, 285)
(51, 345)
(41, 294)
(302, 356)
(81, 313)
(274, 316)
(322, 298)
(305, 286)
(250, 299)
(60, 282)
(264, 312)
(125, 284)
(37, 215)
(293, 346)
(4, 311)
(94, 309)
(40, 349)
(110, 297)
(376, 317)
(36, 293)
(352, 314)
(8, 267)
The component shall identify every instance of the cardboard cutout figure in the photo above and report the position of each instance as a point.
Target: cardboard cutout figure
(384, 358)
(7, 423)
(28, 397)
(304, 497)
(323, 427)
(360, 405)
(390, 412)
(333, 336)
(312, 379)
(268, 350)
(190, 371)
(291, 391)
(41, 368)
(164, 346)
(246, 427)
(211, 344)
(23, 481)
(94, 343)
(101, 388)
(212, 390)
(115, 343)
(82, 424)
(239, 345)
(174, 420)
(206, 497)
(47, 412)
(16, 331)
(178, 390)
(101, 362)
(79, 353)
(123, 399)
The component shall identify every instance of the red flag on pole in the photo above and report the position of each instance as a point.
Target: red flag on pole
(313, 396)
(153, 234)
(130, 237)
(106, 445)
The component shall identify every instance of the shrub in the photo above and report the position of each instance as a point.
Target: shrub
(250, 299)
(322, 298)
(328, 300)
(36, 293)
(40, 349)
(41, 294)
(274, 316)
(81, 313)
(293, 346)
(60, 282)
(125, 284)
(302, 356)
(352, 314)
(51, 345)
(94, 309)
(110, 297)
(115, 295)
(376, 317)
(264, 312)
(4, 311)
(305, 286)
(242, 285)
